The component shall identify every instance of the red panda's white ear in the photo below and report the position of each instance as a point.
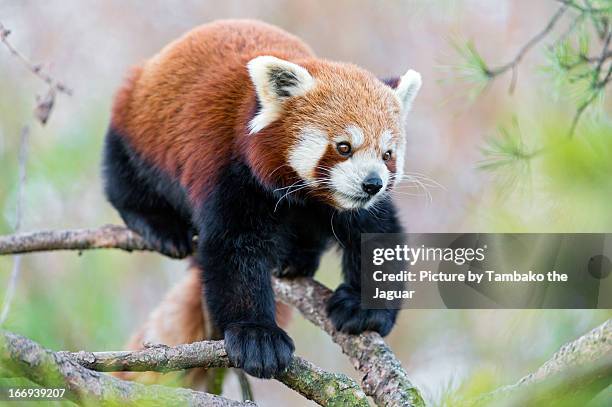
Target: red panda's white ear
(275, 81)
(407, 89)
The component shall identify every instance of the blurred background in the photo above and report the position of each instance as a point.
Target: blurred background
(503, 160)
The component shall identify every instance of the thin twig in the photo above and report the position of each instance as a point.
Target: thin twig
(513, 64)
(597, 85)
(570, 29)
(245, 385)
(36, 69)
(591, 10)
(22, 163)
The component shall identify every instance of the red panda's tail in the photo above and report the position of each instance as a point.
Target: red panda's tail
(180, 318)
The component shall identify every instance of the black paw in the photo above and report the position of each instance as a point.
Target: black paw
(260, 350)
(344, 309)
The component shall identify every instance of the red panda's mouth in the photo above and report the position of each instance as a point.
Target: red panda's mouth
(355, 200)
(358, 198)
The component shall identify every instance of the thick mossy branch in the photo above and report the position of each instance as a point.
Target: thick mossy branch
(25, 358)
(326, 389)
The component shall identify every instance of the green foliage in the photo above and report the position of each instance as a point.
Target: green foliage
(507, 156)
(579, 71)
(473, 69)
(563, 185)
(551, 173)
(576, 75)
(561, 163)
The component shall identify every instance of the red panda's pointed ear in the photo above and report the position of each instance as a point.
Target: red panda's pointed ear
(407, 88)
(275, 80)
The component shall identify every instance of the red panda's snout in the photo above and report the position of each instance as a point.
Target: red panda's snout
(346, 171)
(341, 128)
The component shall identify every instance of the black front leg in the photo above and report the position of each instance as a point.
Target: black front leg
(238, 247)
(344, 306)
(236, 276)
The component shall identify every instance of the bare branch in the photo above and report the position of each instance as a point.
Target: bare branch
(513, 64)
(312, 382)
(26, 358)
(12, 284)
(106, 237)
(384, 379)
(36, 69)
(245, 385)
(44, 107)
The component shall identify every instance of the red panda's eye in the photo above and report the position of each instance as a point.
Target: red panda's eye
(344, 148)
(387, 156)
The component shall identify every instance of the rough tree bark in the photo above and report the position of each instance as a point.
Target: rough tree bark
(105, 237)
(326, 389)
(384, 379)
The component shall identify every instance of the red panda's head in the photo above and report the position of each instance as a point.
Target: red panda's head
(333, 130)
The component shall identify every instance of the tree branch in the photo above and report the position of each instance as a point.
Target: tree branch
(326, 389)
(591, 10)
(35, 69)
(384, 379)
(597, 85)
(598, 16)
(106, 237)
(585, 363)
(493, 72)
(25, 358)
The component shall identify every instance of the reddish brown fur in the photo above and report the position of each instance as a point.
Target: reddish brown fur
(182, 109)
(186, 110)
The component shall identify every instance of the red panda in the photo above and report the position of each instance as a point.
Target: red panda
(237, 133)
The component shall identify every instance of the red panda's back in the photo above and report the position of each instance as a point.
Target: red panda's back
(180, 108)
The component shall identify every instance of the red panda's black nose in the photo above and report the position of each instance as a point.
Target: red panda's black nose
(372, 184)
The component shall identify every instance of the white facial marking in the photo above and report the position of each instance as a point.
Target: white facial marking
(347, 178)
(386, 141)
(356, 135)
(307, 152)
(399, 160)
(275, 80)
